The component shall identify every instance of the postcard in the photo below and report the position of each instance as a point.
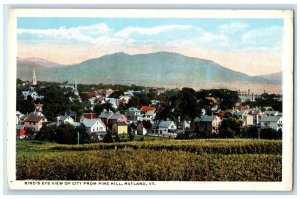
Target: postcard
(150, 99)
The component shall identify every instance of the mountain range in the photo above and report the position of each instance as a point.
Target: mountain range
(154, 69)
(274, 77)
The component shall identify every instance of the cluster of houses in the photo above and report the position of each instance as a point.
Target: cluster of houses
(141, 121)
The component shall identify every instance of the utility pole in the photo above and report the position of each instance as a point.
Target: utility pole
(78, 137)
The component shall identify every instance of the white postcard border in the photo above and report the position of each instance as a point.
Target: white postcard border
(287, 157)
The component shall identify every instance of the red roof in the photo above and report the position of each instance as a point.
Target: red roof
(38, 105)
(255, 112)
(242, 107)
(221, 114)
(212, 99)
(145, 109)
(89, 115)
(122, 101)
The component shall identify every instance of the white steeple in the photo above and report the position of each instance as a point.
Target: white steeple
(33, 80)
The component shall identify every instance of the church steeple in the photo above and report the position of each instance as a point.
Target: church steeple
(33, 80)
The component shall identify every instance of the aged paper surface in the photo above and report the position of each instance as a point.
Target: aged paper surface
(180, 22)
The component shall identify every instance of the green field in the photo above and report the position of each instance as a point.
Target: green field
(163, 160)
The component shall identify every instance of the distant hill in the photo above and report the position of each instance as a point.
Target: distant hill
(153, 69)
(274, 77)
(32, 61)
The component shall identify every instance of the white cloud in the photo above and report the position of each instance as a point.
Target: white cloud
(210, 37)
(153, 30)
(87, 34)
(264, 37)
(232, 27)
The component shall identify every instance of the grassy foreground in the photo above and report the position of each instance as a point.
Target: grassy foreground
(163, 160)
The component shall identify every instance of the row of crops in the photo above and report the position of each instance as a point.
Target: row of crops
(169, 160)
(149, 165)
(195, 146)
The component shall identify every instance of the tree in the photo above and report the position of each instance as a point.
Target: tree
(230, 128)
(116, 94)
(94, 138)
(139, 100)
(188, 107)
(272, 100)
(108, 138)
(30, 133)
(68, 134)
(229, 99)
(19, 82)
(250, 132)
(24, 105)
(84, 136)
(99, 108)
(47, 132)
(55, 102)
(269, 133)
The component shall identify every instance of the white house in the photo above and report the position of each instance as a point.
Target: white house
(149, 116)
(245, 117)
(164, 128)
(274, 122)
(64, 119)
(257, 115)
(33, 95)
(18, 117)
(271, 113)
(34, 121)
(208, 124)
(125, 97)
(112, 101)
(95, 126)
(133, 114)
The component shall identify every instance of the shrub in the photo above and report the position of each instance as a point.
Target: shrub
(108, 138)
(269, 133)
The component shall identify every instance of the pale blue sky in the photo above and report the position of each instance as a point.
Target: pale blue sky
(99, 36)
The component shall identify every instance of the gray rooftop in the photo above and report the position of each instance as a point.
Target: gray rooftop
(165, 124)
(150, 113)
(271, 112)
(116, 116)
(133, 109)
(76, 124)
(63, 117)
(19, 126)
(155, 125)
(270, 119)
(105, 114)
(91, 122)
(205, 118)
